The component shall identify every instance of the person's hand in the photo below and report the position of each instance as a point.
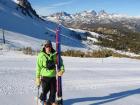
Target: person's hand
(37, 81)
(60, 73)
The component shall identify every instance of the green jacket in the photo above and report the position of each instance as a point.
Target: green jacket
(41, 64)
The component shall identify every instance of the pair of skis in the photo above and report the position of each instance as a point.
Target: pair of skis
(58, 62)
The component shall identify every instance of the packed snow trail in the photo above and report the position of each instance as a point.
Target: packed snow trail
(87, 81)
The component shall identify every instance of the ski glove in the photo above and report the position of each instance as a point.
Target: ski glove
(60, 73)
(38, 82)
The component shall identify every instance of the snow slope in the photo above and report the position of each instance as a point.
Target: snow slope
(87, 81)
(13, 21)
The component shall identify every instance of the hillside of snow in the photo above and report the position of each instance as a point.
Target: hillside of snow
(30, 31)
(87, 81)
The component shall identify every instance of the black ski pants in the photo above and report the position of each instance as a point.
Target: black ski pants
(48, 85)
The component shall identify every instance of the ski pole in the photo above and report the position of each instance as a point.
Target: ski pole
(38, 94)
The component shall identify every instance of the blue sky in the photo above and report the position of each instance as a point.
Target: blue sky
(128, 7)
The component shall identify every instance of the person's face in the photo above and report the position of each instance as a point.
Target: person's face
(48, 49)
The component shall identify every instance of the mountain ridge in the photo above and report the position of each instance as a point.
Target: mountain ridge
(91, 17)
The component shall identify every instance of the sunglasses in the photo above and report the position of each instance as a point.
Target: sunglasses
(47, 46)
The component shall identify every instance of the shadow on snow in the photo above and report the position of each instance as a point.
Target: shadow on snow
(104, 99)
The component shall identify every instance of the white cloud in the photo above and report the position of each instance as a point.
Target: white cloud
(49, 9)
(61, 4)
(45, 10)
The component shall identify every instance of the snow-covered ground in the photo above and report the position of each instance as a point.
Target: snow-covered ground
(87, 81)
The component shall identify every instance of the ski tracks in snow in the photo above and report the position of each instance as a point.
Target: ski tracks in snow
(83, 77)
(96, 84)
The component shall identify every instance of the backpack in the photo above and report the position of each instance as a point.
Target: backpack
(50, 64)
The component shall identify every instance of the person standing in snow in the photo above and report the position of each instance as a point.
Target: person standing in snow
(46, 72)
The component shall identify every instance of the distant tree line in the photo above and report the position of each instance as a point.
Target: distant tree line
(123, 40)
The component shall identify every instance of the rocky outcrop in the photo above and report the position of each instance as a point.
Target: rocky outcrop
(26, 8)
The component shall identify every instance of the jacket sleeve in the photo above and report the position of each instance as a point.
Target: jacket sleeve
(62, 68)
(38, 66)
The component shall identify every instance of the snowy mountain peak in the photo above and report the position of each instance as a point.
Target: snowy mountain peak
(23, 6)
(62, 14)
(92, 17)
(92, 12)
(84, 16)
(103, 12)
(86, 13)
